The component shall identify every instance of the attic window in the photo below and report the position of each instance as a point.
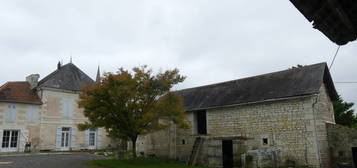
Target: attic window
(265, 141)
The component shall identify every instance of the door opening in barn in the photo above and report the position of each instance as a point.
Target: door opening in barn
(201, 122)
(227, 153)
(354, 155)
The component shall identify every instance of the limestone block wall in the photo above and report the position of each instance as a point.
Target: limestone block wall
(324, 113)
(288, 126)
(341, 140)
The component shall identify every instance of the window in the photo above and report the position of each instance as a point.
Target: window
(67, 108)
(183, 142)
(265, 141)
(65, 137)
(10, 113)
(32, 114)
(92, 137)
(201, 121)
(10, 139)
(340, 154)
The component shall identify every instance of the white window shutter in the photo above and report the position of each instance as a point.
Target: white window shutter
(8, 113)
(99, 138)
(32, 114)
(70, 108)
(65, 108)
(13, 117)
(35, 114)
(73, 137)
(58, 137)
(86, 139)
(29, 114)
(1, 134)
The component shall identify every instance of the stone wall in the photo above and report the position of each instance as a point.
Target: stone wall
(341, 140)
(324, 113)
(288, 126)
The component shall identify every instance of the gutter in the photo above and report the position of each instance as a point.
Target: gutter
(315, 125)
(24, 102)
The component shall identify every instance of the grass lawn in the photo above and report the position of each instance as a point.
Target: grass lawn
(139, 163)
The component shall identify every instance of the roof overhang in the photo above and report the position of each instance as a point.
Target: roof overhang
(336, 19)
(22, 102)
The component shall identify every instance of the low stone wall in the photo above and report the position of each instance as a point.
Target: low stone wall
(341, 140)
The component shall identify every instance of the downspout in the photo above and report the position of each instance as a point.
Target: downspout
(315, 125)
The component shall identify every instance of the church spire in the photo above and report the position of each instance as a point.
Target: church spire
(98, 75)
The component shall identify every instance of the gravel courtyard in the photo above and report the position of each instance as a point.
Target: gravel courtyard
(48, 161)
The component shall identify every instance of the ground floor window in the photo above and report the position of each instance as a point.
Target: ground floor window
(65, 137)
(10, 139)
(92, 135)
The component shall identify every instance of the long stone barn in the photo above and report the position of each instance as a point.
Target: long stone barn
(284, 118)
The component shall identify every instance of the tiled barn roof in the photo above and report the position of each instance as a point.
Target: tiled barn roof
(18, 92)
(67, 77)
(294, 82)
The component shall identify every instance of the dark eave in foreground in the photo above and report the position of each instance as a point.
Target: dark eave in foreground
(337, 19)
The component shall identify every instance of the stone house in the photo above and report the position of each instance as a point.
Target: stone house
(45, 113)
(270, 120)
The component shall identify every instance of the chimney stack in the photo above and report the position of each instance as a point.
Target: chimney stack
(33, 80)
(59, 65)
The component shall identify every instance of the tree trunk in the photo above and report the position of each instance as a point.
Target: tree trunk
(133, 140)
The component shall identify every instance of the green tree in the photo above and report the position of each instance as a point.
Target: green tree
(129, 104)
(344, 115)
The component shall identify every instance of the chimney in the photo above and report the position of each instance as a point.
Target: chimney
(59, 65)
(33, 80)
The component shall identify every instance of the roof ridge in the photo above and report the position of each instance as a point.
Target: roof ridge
(229, 81)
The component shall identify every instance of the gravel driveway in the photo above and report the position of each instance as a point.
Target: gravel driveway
(48, 161)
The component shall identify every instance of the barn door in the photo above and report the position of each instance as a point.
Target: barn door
(227, 153)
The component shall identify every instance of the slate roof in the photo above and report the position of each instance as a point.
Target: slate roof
(302, 81)
(67, 77)
(18, 92)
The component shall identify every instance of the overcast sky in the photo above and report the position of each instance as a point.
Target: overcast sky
(208, 40)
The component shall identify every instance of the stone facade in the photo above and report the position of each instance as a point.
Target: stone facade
(45, 114)
(293, 126)
(341, 140)
(41, 127)
(54, 117)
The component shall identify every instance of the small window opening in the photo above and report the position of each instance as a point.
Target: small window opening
(340, 153)
(265, 141)
(183, 142)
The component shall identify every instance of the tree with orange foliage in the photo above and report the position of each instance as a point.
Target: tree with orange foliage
(128, 104)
